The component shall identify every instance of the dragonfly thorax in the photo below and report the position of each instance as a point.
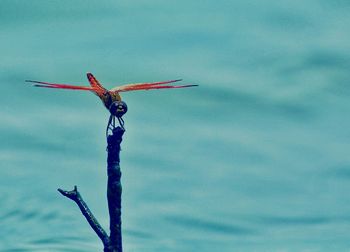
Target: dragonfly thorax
(108, 98)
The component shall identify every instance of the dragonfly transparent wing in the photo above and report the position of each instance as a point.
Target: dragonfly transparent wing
(149, 85)
(61, 86)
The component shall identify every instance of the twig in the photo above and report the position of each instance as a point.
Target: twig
(76, 197)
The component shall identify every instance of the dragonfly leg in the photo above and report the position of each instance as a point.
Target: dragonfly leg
(121, 122)
(112, 124)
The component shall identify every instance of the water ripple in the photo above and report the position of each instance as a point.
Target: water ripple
(295, 220)
(210, 225)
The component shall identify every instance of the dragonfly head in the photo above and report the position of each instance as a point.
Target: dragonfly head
(118, 108)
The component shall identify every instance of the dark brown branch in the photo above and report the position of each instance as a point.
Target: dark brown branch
(112, 243)
(76, 197)
(114, 188)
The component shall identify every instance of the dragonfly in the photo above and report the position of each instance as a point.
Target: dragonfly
(111, 98)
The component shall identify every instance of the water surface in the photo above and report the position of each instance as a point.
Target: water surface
(254, 159)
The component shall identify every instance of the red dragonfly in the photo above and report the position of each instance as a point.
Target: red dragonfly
(111, 98)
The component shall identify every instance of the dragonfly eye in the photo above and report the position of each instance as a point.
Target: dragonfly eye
(118, 109)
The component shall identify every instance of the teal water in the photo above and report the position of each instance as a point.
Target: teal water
(254, 159)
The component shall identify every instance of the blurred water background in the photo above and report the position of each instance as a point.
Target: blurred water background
(254, 159)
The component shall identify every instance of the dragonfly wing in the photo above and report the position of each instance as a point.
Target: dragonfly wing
(61, 86)
(143, 84)
(95, 84)
(134, 88)
(147, 86)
